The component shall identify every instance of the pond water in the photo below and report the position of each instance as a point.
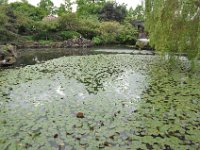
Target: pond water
(126, 101)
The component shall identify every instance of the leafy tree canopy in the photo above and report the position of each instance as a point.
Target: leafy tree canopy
(113, 11)
(174, 25)
(47, 6)
(137, 13)
(89, 7)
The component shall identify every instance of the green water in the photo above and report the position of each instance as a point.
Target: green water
(128, 102)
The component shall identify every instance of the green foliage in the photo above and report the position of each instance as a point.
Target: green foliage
(45, 28)
(3, 2)
(89, 27)
(28, 10)
(109, 31)
(97, 40)
(61, 10)
(8, 26)
(47, 6)
(65, 8)
(114, 32)
(3, 17)
(20, 20)
(136, 14)
(127, 34)
(113, 12)
(89, 7)
(69, 34)
(174, 25)
(69, 21)
(45, 42)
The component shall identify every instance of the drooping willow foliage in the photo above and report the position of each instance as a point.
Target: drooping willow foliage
(174, 25)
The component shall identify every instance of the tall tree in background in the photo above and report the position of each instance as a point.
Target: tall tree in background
(137, 13)
(3, 2)
(8, 23)
(89, 7)
(113, 11)
(68, 5)
(47, 6)
(65, 8)
(174, 25)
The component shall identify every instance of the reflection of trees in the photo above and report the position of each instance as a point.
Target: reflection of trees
(31, 58)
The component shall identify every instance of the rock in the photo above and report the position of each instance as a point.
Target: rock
(75, 43)
(80, 115)
(142, 43)
(78, 42)
(8, 55)
(8, 61)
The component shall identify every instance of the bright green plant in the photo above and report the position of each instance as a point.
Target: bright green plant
(127, 34)
(97, 40)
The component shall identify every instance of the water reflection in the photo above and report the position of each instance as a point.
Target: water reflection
(34, 56)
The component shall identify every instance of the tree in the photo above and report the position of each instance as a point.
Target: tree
(26, 9)
(8, 26)
(87, 8)
(65, 8)
(45, 29)
(68, 5)
(113, 12)
(69, 22)
(47, 6)
(137, 13)
(3, 2)
(174, 25)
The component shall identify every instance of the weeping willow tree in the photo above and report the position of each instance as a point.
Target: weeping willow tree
(174, 25)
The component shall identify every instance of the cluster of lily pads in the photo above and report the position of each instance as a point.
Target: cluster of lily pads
(125, 101)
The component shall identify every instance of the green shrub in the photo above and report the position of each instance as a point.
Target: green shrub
(68, 34)
(112, 32)
(127, 34)
(28, 37)
(109, 31)
(40, 36)
(69, 21)
(89, 27)
(44, 42)
(97, 40)
(47, 36)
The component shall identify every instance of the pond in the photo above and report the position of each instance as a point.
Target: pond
(103, 99)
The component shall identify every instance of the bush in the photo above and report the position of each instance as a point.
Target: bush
(47, 36)
(97, 40)
(69, 22)
(127, 34)
(109, 31)
(89, 27)
(112, 32)
(69, 34)
(45, 42)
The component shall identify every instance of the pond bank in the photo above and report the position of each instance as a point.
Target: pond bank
(33, 56)
(70, 43)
